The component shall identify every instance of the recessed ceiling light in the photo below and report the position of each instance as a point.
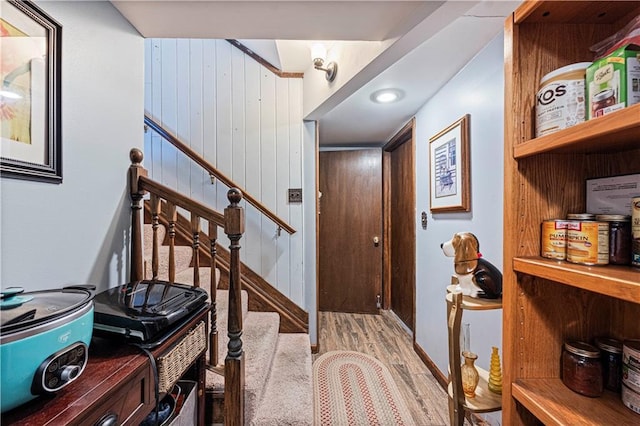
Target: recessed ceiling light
(386, 96)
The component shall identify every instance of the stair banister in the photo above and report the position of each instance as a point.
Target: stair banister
(185, 149)
(136, 171)
(233, 222)
(234, 373)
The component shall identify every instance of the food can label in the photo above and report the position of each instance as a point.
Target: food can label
(553, 242)
(588, 242)
(559, 105)
(631, 399)
(635, 231)
(631, 367)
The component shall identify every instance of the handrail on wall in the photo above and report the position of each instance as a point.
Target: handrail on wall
(185, 149)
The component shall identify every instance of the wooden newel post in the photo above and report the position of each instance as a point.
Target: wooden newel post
(135, 171)
(234, 362)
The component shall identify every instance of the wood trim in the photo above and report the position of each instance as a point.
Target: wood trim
(315, 348)
(437, 374)
(401, 137)
(398, 139)
(386, 229)
(263, 61)
(317, 192)
(406, 134)
(180, 200)
(198, 159)
(262, 296)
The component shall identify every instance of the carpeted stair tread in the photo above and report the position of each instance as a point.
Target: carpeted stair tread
(186, 276)
(260, 337)
(222, 306)
(288, 397)
(147, 235)
(182, 255)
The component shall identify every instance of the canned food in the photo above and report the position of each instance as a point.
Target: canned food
(619, 237)
(635, 231)
(553, 241)
(631, 399)
(588, 242)
(631, 364)
(581, 216)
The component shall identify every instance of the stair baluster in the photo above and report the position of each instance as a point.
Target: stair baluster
(195, 258)
(213, 334)
(154, 201)
(234, 370)
(172, 217)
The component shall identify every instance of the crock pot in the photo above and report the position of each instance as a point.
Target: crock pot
(44, 340)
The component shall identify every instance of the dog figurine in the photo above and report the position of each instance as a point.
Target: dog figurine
(476, 277)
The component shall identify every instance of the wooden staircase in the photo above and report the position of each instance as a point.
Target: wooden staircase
(266, 375)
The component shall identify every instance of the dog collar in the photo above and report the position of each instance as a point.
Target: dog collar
(470, 260)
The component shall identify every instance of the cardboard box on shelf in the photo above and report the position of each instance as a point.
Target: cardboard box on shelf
(613, 82)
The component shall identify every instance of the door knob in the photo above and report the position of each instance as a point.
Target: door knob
(376, 241)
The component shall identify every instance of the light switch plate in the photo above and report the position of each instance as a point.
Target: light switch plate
(295, 195)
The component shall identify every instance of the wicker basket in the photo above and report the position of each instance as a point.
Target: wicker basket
(173, 365)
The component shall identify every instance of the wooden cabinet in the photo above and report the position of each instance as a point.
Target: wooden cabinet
(546, 302)
(484, 401)
(116, 387)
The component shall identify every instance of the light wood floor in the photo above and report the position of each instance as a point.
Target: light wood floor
(382, 337)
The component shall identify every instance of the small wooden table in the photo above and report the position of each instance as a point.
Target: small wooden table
(116, 386)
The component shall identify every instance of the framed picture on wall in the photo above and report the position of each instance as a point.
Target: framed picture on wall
(30, 129)
(449, 168)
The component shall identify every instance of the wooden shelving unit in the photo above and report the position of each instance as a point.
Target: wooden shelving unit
(546, 302)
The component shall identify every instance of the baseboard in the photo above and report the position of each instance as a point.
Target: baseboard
(440, 378)
(314, 349)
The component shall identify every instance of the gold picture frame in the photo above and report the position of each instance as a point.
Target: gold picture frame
(449, 168)
(30, 102)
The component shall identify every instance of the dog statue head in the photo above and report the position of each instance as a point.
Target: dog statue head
(476, 276)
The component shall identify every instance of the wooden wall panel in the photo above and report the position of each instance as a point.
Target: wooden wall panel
(282, 150)
(196, 107)
(296, 246)
(268, 172)
(245, 121)
(252, 245)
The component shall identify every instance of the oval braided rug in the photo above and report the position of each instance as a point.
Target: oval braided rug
(352, 388)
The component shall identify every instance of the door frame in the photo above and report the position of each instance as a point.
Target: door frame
(404, 135)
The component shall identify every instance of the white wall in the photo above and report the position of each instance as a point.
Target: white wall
(247, 122)
(476, 90)
(78, 232)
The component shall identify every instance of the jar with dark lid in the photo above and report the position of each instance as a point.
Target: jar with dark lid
(582, 368)
(611, 351)
(619, 237)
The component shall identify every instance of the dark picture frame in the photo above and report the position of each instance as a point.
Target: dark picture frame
(449, 168)
(30, 100)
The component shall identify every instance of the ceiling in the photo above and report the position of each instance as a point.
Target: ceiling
(427, 43)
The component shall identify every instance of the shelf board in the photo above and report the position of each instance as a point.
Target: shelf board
(555, 404)
(617, 131)
(473, 303)
(553, 11)
(485, 401)
(621, 282)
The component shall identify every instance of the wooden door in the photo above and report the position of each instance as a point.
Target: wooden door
(400, 221)
(350, 263)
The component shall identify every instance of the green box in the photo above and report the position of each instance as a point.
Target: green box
(613, 82)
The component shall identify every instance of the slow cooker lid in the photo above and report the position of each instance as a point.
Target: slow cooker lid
(20, 310)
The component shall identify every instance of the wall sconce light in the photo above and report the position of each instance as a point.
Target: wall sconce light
(318, 54)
